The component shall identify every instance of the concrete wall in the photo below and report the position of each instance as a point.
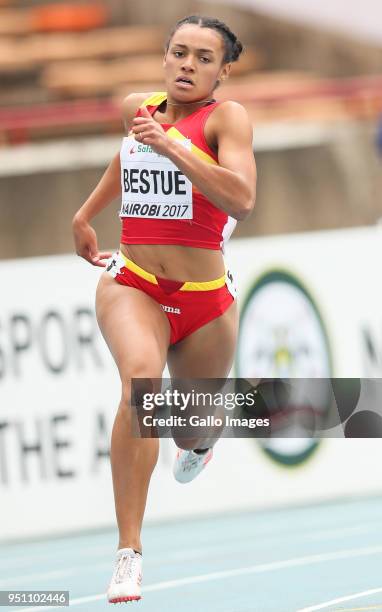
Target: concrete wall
(324, 187)
(36, 212)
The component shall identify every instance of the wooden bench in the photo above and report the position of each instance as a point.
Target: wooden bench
(36, 50)
(65, 17)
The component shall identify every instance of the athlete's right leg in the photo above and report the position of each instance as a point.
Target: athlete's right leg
(137, 333)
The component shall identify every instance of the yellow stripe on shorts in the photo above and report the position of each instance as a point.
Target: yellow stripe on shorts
(187, 286)
(130, 265)
(204, 285)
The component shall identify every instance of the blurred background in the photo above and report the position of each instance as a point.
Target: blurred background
(306, 262)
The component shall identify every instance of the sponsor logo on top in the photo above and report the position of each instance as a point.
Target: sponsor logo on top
(142, 148)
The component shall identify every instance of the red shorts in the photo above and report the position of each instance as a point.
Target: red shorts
(187, 305)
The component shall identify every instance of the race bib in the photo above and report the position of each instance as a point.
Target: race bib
(152, 186)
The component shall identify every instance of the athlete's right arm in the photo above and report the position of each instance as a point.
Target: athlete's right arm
(108, 188)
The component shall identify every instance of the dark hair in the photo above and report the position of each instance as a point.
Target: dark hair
(232, 45)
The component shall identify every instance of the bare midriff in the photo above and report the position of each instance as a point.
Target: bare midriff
(176, 262)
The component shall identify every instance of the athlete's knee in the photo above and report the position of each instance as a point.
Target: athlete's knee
(124, 408)
(136, 389)
(126, 393)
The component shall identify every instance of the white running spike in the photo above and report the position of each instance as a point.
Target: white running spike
(189, 464)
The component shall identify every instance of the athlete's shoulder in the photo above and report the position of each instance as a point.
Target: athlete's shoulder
(133, 101)
(231, 111)
(131, 104)
(229, 119)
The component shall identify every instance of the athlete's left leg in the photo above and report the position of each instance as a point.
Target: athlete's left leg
(209, 351)
(206, 353)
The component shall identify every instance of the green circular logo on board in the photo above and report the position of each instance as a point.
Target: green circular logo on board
(282, 335)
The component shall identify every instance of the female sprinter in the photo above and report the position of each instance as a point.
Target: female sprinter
(187, 173)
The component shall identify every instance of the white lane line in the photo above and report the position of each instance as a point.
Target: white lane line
(73, 602)
(175, 556)
(104, 549)
(192, 553)
(363, 609)
(241, 571)
(332, 602)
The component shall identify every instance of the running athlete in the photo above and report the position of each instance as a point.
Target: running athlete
(186, 173)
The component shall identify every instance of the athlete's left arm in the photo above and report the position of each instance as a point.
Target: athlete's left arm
(231, 185)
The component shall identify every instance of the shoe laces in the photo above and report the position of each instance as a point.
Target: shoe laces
(126, 568)
(192, 460)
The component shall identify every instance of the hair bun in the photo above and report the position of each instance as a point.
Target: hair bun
(237, 50)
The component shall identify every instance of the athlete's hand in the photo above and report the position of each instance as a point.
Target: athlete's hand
(85, 240)
(150, 132)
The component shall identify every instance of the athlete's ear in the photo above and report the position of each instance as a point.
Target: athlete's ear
(225, 71)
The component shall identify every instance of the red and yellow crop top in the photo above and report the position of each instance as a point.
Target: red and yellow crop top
(159, 203)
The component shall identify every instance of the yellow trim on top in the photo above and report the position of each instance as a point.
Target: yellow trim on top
(203, 155)
(187, 286)
(155, 99)
(176, 135)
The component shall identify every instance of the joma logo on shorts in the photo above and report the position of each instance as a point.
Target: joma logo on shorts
(171, 309)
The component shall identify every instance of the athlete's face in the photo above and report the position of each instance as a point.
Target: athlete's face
(194, 63)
